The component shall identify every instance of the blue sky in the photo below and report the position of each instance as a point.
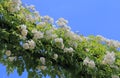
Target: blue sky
(89, 17)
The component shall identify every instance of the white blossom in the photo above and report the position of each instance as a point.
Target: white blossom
(31, 44)
(30, 18)
(109, 58)
(26, 46)
(41, 24)
(87, 50)
(24, 33)
(23, 27)
(36, 14)
(8, 53)
(31, 7)
(72, 36)
(61, 22)
(49, 34)
(37, 34)
(115, 76)
(14, 5)
(24, 30)
(91, 64)
(88, 62)
(69, 50)
(17, 1)
(42, 60)
(11, 58)
(55, 56)
(47, 19)
(59, 42)
(109, 42)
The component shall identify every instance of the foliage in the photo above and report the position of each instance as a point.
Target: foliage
(32, 42)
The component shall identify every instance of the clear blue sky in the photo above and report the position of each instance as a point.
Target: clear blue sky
(86, 16)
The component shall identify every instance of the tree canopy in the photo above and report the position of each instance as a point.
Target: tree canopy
(36, 44)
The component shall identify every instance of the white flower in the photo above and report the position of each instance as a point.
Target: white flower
(61, 22)
(69, 50)
(109, 42)
(36, 13)
(11, 58)
(31, 44)
(89, 63)
(87, 50)
(49, 34)
(59, 42)
(42, 60)
(32, 7)
(17, 1)
(23, 27)
(26, 46)
(37, 34)
(115, 76)
(55, 56)
(29, 18)
(8, 53)
(109, 58)
(47, 19)
(24, 33)
(41, 24)
(14, 5)
(72, 35)
(86, 61)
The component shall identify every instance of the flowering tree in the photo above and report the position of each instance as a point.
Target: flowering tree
(33, 43)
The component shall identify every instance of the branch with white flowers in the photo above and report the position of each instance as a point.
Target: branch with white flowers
(41, 47)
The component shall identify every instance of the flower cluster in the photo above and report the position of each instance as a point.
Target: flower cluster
(110, 42)
(37, 34)
(24, 31)
(59, 42)
(14, 5)
(50, 35)
(109, 58)
(68, 50)
(54, 47)
(47, 19)
(61, 22)
(88, 62)
(30, 44)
